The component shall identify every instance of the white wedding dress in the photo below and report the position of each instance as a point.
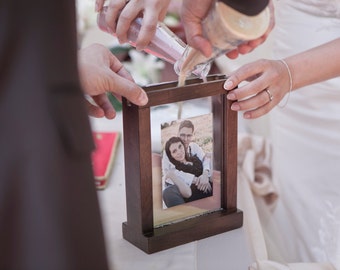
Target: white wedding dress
(306, 143)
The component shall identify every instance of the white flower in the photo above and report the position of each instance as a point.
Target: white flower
(144, 68)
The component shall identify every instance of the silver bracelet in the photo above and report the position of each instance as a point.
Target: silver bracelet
(290, 83)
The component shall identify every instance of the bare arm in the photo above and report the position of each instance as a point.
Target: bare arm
(315, 65)
(312, 66)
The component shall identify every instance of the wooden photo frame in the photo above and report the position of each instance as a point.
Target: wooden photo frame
(149, 226)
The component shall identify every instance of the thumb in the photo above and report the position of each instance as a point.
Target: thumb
(123, 85)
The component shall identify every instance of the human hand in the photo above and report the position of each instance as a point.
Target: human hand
(175, 6)
(121, 13)
(203, 182)
(269, 81)
(192, 16)
(101, 72)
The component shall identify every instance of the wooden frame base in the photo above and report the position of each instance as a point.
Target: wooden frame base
(185, 231)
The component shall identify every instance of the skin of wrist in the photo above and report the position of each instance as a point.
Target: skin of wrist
(291, 71)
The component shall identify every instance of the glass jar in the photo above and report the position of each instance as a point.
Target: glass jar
(226, 29)
(165, 44)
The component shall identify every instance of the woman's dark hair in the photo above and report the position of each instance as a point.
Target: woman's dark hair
(196, 168)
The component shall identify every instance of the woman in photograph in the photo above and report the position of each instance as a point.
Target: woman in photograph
(180, 178)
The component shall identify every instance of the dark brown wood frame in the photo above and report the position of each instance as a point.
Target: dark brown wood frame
(139, 228)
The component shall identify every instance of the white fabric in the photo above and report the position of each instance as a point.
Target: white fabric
(306, 141)
(270, 265)
(304, 225)
(253, 160)
(255, 189)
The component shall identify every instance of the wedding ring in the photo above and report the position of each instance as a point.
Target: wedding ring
(269, 94)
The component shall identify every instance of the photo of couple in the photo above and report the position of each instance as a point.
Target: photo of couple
(187, 160)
